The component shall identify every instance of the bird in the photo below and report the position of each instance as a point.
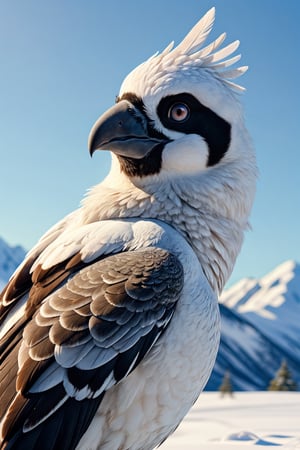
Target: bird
(110, 327)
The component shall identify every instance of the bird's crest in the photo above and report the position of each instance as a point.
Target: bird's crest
(191, 52)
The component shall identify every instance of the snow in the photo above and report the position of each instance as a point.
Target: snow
(260, 328)
(248, 419)
(264, 296)
(239, 292)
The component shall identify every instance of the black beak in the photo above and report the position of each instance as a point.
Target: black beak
(123, 130)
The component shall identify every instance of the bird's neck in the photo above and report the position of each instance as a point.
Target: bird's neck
(215, 238)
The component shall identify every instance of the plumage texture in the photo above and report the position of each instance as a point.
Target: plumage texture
(110, 327)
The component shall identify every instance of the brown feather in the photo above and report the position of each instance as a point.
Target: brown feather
(12, 337)
(95, 309)
(34, 334)
(73, 321)
(75, 261)
(45, 281)
(13, 414)
(18, 284)
(8, 374)
(30, 372)
(42, 350)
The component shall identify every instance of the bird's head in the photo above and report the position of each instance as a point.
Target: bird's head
(181, 152)
(177, 113)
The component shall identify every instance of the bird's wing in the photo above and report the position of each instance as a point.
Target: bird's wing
(80, 339)
(21, 280)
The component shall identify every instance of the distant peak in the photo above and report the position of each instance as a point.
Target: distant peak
(10, 258)
(265, 295)
(283, 273)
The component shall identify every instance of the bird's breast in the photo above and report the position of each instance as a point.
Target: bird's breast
(142, 410)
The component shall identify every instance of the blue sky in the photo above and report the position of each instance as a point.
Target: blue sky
(62, 63)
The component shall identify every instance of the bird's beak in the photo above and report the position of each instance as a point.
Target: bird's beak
(122, 129)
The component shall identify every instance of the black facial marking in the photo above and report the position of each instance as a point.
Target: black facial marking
(133, 99)
(139, 104)
(201, 120)
(149, 165)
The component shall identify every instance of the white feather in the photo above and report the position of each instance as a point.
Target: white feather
(190, 52)
(234, 73)
(198, 34)
(211, 47)
(226, 63)
(221, 54)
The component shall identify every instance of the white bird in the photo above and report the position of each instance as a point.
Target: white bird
(110, 327)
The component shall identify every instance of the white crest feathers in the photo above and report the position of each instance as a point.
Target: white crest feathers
(191, 52)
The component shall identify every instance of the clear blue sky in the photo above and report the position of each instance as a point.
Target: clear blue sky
(62, 63)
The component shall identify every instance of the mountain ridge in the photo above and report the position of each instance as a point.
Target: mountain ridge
(10, 258)
(268, 310)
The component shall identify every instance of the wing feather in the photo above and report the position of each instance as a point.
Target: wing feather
(82, 336)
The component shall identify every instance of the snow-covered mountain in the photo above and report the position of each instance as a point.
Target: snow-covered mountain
(260, 324)
(260, 328)
(10, 258)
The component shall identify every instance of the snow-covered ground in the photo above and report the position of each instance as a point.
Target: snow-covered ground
(248, 419)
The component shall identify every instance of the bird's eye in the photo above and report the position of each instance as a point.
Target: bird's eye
(179, 112)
